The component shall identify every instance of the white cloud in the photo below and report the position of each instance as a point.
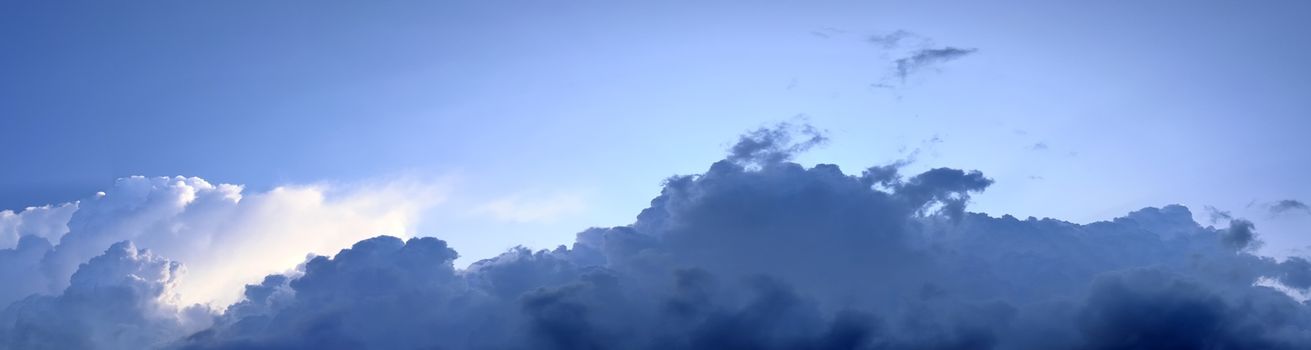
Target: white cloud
(224, 236)
(48, 221)
(273, 231)
(525, 208)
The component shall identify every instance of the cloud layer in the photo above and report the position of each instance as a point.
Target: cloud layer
(754, 253)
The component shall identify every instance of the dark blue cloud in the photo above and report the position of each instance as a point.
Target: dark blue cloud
(1240, 235)
(1150, 309)
(772, 145)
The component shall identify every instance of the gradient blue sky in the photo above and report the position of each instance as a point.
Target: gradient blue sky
(594, 103)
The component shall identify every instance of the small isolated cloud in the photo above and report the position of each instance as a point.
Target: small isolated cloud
(1040, 146)
(894, 39)
(1288, 205)
(525, 208)
(911, 53)
(927, 58)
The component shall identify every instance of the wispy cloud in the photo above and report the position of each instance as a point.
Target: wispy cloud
(893, 39)
(1217, 215)
(926, 58)
(1286, 206)
(528, 208)
(912, 53)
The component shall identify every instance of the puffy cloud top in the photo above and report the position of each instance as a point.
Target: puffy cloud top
(221, 233)
(116, 300)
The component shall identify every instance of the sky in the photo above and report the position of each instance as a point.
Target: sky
(601, 101)
(491, 125)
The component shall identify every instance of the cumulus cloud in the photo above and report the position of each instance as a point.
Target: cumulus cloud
(121, 299)
(226, 236)
(758, 252)
(783, 257)
(1240, 235)
(1150, 309)
(48, 222)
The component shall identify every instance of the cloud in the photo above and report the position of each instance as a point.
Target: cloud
(121, 299)
(925, 58)
(1288, 205)
(48, 222)
(1150, 309)
(519, 208)
(1217, 215)
(1240, 235)
(894, 39)
(759, 252)
(381, 293)
(773, 145)
(911, 53)
(227, 237)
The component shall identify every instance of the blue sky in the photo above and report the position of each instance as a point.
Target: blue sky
(584, 108)
(720, 174)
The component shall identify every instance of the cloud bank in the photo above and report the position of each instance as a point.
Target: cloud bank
(754, 253)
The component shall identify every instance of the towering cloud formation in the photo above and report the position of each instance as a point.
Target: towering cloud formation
(755, 253)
